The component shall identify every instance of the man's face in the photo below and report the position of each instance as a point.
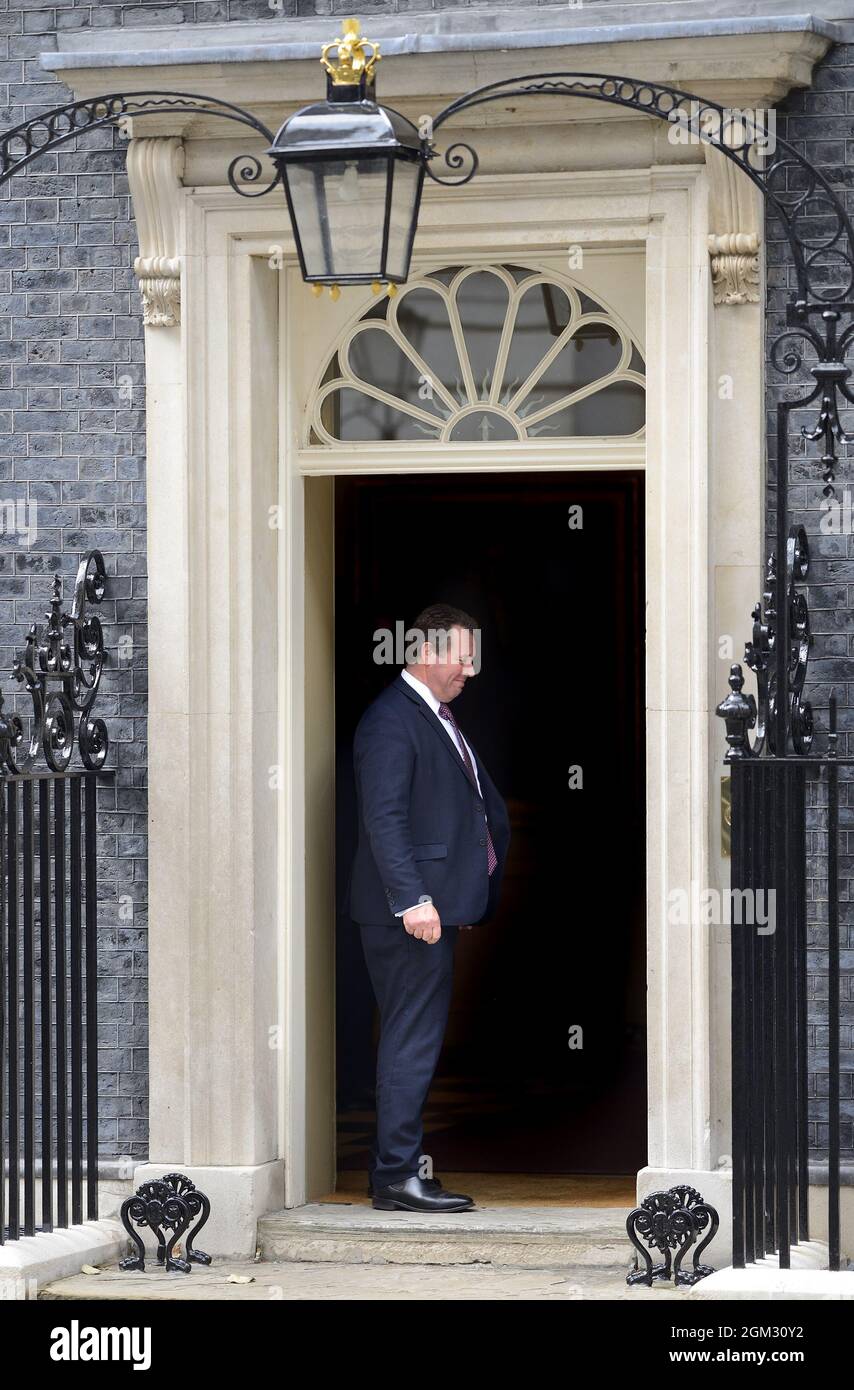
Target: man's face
(449, 662)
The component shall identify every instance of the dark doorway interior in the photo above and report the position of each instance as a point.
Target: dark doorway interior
(561, 610)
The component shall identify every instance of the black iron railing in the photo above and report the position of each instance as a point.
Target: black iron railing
(48, 1012)
(49, 921)
(774, 800)
(770, 995)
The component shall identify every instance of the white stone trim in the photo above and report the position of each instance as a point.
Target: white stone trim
(213, 935)
(764, 1280)
(738, 62)
(238, 1195)
(29, 1263)
(228, 949)
(678, 640)
(155, 168)
(608, 455)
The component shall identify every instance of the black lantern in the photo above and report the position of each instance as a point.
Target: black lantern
(353, 173)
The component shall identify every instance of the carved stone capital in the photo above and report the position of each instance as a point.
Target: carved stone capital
(735, 267)
(155, 166)
(735, 214)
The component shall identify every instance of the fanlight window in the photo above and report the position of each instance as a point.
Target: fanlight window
(485, 353)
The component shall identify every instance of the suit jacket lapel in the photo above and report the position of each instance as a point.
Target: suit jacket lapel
(435, 724)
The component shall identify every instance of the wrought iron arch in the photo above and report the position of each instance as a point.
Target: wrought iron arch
(819, 323)
(36, 136)
(735, 133)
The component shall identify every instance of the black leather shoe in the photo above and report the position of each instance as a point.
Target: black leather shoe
(419, 1194)
(431, 1182)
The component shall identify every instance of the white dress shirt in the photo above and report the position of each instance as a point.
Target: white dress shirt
(430, 699)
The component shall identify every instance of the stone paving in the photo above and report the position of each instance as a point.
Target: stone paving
(345, 1281)
(343, 1249)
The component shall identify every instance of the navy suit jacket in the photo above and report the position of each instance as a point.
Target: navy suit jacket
(422, 821)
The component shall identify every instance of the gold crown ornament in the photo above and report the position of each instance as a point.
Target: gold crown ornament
(354, 58)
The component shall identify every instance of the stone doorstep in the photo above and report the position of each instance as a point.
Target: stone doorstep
(521, 1237)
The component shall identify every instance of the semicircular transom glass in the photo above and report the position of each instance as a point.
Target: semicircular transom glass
(482, 354)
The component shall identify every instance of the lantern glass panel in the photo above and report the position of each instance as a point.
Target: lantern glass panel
(405, 197)
(339, 210)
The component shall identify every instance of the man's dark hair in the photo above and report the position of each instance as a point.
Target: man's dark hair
(439, 618)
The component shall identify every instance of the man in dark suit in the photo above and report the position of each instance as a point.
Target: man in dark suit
(433, 838)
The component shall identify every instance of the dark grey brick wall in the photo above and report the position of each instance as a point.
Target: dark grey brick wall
(72, 450)
(820, 123)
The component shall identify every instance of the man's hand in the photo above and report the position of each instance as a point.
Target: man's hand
(423, 923)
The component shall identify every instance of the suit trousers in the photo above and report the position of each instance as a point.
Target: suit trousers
(412, 982)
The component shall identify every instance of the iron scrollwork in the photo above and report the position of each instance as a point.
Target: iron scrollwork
(824, 354)
(162, 1205)
(455, 157)
(799, 193)
(800, 641)
(61, 678)
(39, 134)
(670, 1221)
(743, 713)
(250, 170)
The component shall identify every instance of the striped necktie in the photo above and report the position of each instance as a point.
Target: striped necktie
(445, 713)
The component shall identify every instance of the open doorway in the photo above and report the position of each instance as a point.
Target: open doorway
(544, 1065)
